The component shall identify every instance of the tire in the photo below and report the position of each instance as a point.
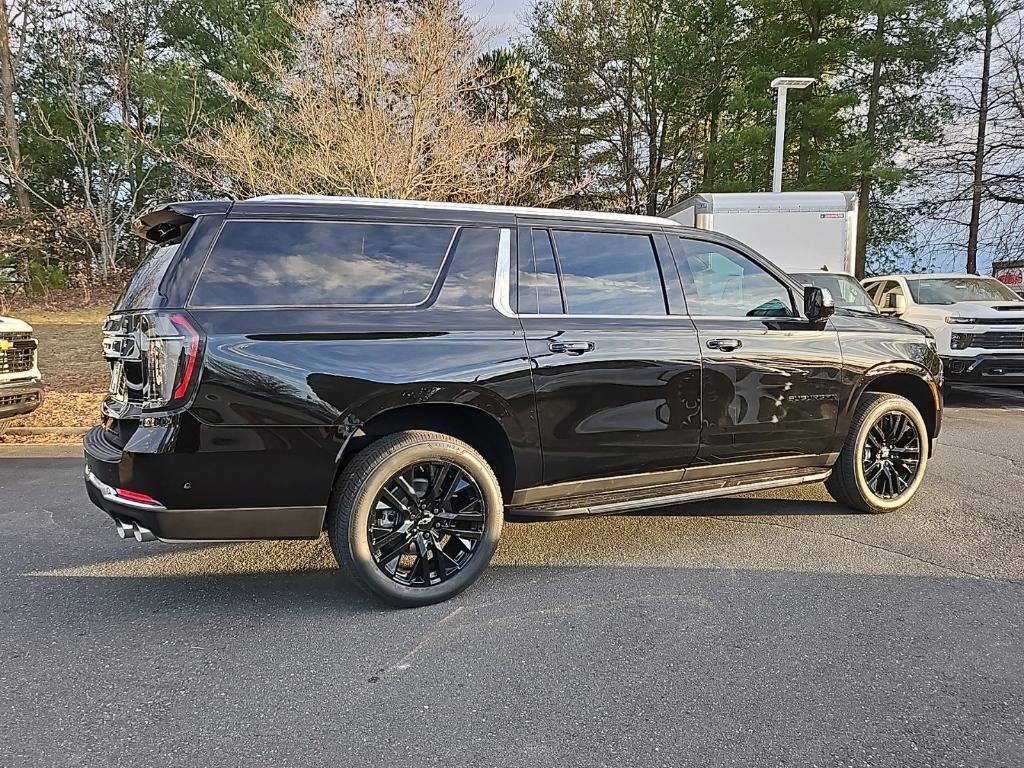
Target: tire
(421, 527)
(849, 482)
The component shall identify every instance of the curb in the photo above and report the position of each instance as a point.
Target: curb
(39, 451)
(28, 431)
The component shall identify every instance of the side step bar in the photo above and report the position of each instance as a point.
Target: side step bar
(671, 495)
(126, 529)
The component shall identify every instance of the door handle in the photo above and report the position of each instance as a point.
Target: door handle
(725, 345)
(571, 347)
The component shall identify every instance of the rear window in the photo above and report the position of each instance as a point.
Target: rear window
(143, 289)
(309, 263)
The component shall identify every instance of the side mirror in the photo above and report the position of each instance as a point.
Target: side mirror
(818, 303)
(895, 304)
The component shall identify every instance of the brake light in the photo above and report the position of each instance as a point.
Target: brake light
(154, 357)
(169, 345)
(135, 496)
(191, 353)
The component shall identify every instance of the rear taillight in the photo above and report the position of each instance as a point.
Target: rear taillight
(154, 357)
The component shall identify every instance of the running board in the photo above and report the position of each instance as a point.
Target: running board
(675, 493)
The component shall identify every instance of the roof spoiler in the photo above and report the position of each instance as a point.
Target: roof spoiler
(168, 224)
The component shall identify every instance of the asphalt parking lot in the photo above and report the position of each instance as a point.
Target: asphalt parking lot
(769, 629)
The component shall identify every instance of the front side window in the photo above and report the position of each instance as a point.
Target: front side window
(846, 291)
(312, 263)
(609, 273)
(719, 281)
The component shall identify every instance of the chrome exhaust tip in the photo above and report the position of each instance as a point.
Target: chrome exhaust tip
(129, 530)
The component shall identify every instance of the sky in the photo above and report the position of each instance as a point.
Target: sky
(503, 14)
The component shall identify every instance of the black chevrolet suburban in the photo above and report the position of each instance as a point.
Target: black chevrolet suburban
(409, 375)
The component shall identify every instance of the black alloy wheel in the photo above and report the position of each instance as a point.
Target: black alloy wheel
(426, 523)
(415, 517)
(884, 457)
(892, 455)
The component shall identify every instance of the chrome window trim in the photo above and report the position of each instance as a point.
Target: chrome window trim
(503, 274)
(431, 294)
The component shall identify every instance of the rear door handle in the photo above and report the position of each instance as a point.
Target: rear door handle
(725, 345)
(571, 347)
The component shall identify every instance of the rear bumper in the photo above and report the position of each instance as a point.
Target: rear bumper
(109, 470)
(989, 370)
(18, 398)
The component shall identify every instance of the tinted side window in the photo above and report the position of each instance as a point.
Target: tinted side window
(719, 281)
(606, 273)
(538, 279)
(308, 263)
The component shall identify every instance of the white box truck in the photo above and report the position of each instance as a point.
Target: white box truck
(799, 231)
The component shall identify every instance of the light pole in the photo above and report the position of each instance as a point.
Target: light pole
(783, 84)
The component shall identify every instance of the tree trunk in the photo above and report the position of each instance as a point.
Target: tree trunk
(712, 148)
(11, 127)
(864, 193)
(977, 186)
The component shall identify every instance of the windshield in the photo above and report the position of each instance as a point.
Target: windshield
(846, 291)
(950, 290)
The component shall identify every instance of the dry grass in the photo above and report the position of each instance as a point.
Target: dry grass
(72, 364)
(59, 409)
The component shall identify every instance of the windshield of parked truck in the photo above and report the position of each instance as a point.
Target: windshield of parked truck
(846, 292)
(950, 290)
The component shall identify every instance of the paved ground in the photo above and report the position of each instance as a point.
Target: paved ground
(773, 629)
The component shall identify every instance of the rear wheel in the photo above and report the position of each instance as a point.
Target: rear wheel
(883, 460)
(415, 518)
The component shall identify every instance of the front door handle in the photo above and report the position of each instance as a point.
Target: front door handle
(724, 345)
(571, 347)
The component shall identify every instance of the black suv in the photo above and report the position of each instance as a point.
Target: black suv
(410, 375)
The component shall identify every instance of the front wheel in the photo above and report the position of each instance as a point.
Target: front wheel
(415, 518)
(882, 463)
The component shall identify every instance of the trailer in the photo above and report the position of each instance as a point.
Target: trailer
(799, 231)
(1010, 273)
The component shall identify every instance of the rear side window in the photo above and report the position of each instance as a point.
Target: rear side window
(311, 263)
(719, 281)
(538, 278)
(608, 273)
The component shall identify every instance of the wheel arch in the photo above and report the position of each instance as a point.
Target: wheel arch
(909, 381)
(474, 426)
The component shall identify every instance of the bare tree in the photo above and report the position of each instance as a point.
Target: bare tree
(381, 105)
(972, 182)
(94, 130)
(17, 21)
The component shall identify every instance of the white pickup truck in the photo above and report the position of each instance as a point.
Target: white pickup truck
(21, 385)
(977, 322)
